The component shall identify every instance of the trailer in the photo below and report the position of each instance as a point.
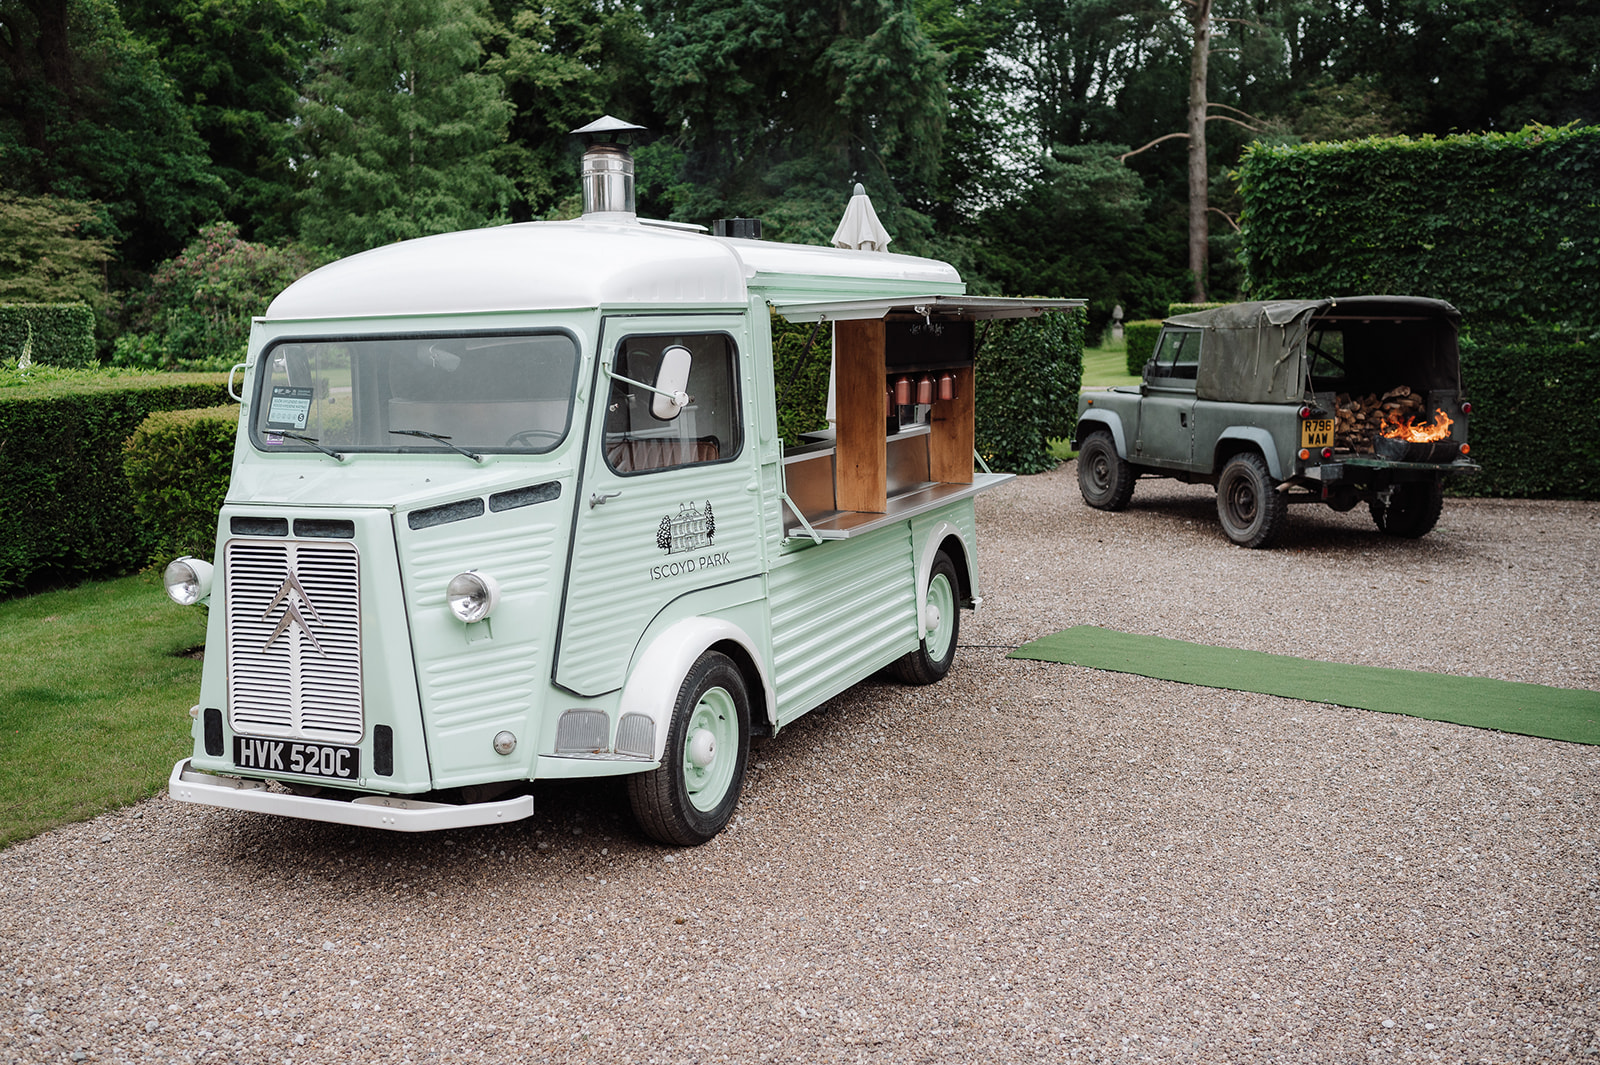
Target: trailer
(511, 505)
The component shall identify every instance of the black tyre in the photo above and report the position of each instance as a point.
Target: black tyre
(932, 659)
(1412, 510)
(692, 796)
(1104, 477)
(1252, 511)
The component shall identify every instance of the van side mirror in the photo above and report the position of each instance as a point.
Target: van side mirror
(672, 382)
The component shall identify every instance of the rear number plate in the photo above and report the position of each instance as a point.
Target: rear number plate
(1316, 432)
(292, 756)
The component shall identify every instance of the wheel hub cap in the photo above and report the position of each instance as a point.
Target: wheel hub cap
(702, 748)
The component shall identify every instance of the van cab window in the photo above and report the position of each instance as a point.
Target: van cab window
(1178, 353)
(645, 432)
(430, 393)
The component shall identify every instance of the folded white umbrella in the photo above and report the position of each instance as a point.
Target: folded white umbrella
(860, 228)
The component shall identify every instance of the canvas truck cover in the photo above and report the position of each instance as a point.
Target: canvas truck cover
(1256, 352)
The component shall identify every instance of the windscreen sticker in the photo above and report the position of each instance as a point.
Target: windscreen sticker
(290, 408)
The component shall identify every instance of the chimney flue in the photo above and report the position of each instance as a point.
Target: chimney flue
(608, 167)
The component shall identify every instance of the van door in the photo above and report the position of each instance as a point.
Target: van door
(669, 496)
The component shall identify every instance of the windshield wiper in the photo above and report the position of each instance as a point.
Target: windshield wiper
(310, 440)
(445, 440)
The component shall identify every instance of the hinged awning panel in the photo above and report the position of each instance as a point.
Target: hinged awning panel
(948, 308)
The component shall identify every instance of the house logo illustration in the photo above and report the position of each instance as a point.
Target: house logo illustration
(690, 529)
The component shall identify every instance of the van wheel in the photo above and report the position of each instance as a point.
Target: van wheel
(691, 797)
(1104, 477)
(1253, 514)
(932, 659)
(1413, 509)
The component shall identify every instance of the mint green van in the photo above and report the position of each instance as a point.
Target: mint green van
(511, 505)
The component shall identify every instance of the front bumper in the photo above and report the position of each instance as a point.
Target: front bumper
(369, 811)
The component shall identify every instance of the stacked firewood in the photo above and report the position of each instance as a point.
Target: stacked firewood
(1357, 418)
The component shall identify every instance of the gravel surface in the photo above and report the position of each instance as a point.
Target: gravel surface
(1026, 862)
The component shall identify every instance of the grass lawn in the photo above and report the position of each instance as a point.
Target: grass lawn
(94, 700)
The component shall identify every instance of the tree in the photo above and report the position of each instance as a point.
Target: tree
(564, 63)
(47, 254)
(88, 116)
(400, 127)
(237, 65)
(779, 107)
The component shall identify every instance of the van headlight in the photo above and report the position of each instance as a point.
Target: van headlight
(187, 580)
(472, 595)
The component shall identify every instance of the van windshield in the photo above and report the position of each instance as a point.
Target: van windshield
(499, 393)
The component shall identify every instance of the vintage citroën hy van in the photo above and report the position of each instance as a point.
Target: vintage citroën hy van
(511, 505)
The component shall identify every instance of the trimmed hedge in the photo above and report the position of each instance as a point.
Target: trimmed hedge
(1028, 373)
(178, 463)
(1141, 339)
(1506, 226)
(1189, 308)
(62, 334)
(803, 400)
(1535, 425)
(65, 508)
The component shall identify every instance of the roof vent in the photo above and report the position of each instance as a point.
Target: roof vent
(746, 228)
(608, 167)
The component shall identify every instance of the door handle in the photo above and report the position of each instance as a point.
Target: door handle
(596, 498)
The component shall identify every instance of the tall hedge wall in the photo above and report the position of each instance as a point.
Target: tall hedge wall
(65, 506)
(56, 334)
(1505, 226)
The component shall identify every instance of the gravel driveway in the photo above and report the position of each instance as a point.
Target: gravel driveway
(1027, 862)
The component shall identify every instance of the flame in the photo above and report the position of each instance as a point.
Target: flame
(1402, 429)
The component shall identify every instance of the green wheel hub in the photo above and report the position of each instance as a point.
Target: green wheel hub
(711, 749)
(940, 616)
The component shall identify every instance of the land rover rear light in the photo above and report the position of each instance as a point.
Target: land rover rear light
(472, 595)
(1305, 412)
(187, 580)
(1327, 452)
(1465, 449)
(1466, 408)
(1305, 453)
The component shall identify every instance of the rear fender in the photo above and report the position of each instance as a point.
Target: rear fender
(1111, 420)
(657, 674)
(1260, 438)
(937, 536)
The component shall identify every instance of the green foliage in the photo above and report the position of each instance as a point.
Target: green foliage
(47, 251)
(196, 313)
(236, 67)
(802, 388)
(1174, 309)
(1141, 338)
(779, 106)
(1535, 426)
(400, 127)
(103, 664)
(177, 464)
(65, 509)
(90, 116)
(1506, 226)
(565, 63)
(54, 334)
(1028, 373)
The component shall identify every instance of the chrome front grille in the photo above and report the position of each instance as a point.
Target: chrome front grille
(294, 639)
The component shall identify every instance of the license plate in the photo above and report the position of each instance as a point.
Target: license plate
(1316, 432)
(292, 756)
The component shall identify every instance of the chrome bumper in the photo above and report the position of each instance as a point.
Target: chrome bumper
(370, 811)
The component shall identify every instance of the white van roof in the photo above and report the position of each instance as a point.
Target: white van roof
(586, 264)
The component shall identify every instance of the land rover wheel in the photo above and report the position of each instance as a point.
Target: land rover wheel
(1412, 510)
(691, 797)
(1253, 513)
(1104, 477)
(932, 658)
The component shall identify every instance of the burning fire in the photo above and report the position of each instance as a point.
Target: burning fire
(1403, 429)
